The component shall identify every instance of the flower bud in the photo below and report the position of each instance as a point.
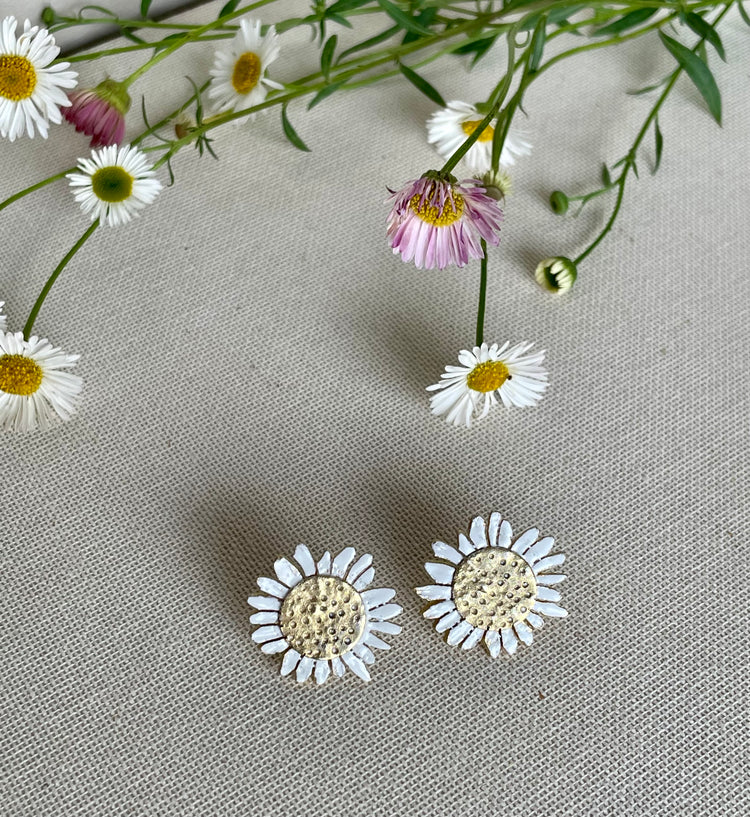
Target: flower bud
(49, 16)
(558, 201)
(556, 274)
(497, 184)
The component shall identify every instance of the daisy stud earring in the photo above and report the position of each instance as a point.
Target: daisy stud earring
(492, 589)
(323, 615)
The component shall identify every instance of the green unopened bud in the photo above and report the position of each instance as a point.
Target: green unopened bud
(115, 94)
(556, 274)
(497, 185)
(49, 16)
(558, 201)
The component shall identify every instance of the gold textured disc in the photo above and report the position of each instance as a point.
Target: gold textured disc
(322, 616)
(493, 588)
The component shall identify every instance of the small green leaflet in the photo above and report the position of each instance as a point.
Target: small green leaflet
(229, 7)
(323, 93)
(290, 132)
(698, 71)
(145, 4)
(659, 140)
(327, 56)
(606, 178)
(743, 13)
(378, 38)
(404, 20)
(706, 31)
(629, 20)
(422, 84)
(537, 46)
(424, 18)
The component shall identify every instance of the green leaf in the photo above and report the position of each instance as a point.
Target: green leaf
(706, 31)
(229, 7)
(424, 18)
(128, 34)
(327, 56)
(323, 93)
(145, 4)
(176, 36)
(698, 71)
(629, 20)
(606, 178)
(345, 5)
(648, 88)
(405, 20)
(422, 85)
(743, 13)
(376, 40)
(337, 18)
(290, 132)
(537, 46)
(659, 140)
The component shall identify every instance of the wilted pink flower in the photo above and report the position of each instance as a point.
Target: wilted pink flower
(100, 112)
(437, 221)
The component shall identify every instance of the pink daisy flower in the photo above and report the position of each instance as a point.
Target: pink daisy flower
(100, 112)
(437, 221)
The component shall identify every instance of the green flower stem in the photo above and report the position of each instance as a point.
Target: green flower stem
(73, 22)
(125, 49)
(51, 280)
(482, 294)
(34, 187)
(629, 163)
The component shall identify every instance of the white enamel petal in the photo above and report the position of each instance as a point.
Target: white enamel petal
(443, 551)
(356, 665)
(387, 627)
(442, 574)
(510, 641)
(492, 528)
(337, 666)
(478, 532)
(550, 578)
(525, 540)
(384, 612)
(440, 609)
(492, 640)
(269, 617)
(549, 562)
(287, 572)
(537, 622)
(377, 596)
(359, 567)
(448, 621)
(434, 592)
(373, 641)
(342, 561)
(474, 637)
(264, 602)
(304, 669)
(305, 560)
(322, 671)
(364, 653)
(291, 659)
(523, 631)
(273, 588)
(364, 580)
(464, 545)
(459, 632)
(269, 633)
(324, 564)
(540, 549)
(549, 609)
(272, 647)
(547, 594)
(504, 535)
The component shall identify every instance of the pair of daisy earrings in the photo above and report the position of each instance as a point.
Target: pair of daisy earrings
(326, 618)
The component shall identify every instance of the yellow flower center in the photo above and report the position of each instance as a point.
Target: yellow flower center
(19, 375)
(485, 136)
(17, 77)
(494, 588)
(430, 213)
(488, 376)
(246, 72)
(112, 184)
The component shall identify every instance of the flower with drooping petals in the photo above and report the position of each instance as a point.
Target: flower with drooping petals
(436, 221)
(35, 388)
(556, 274)
(100, 112)
(115, 183)
(491, 590)
(322, 616)
(31, 92)
(238, 77)
(467, 392)
(449, 128)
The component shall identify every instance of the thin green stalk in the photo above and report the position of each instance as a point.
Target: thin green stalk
(125, 49)
(51, 280)
(34, 187)
(482, 294)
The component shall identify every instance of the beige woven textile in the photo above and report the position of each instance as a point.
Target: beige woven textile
(255, 362)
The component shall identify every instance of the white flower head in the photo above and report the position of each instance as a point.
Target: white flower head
(489, 589)
(31, 90)
(486, 373)
(35, 386)
(322, 616)
(114, 184)
(449, 128)
(238, 77)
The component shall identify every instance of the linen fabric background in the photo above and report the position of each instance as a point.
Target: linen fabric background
(255, 362)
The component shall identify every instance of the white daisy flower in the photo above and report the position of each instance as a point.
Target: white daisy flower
(115, 183)
(322, 616)
(469, 391)
(238, 75)
(490, 590)
(35, 389)
(30, 88)
(449, 127)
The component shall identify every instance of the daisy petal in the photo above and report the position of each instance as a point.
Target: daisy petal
(273, 588)
(287, 572)
(434, 592)
(305, 560)
(492, 640)
(510, 641)
(549, 609)
(458, 633)
(447, 621)
(322, 671)
(523, 631)
(474, 637)
(525, 540)
(443, 551)
(549, 562)
(264, 602)
(291, 659)
(440, 609)
(356, 665)
(540, 549)
(384, 612)
(272, 647)
(359, 567)
(442, 574)
(547, 594)
(378, 596)
(304, 669)
(342, 561)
